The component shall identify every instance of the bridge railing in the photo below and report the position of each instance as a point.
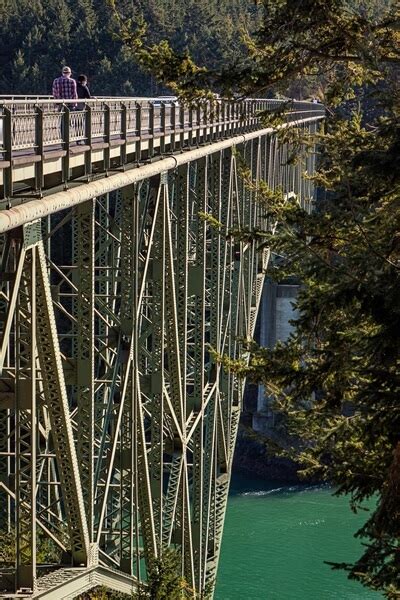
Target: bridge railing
(34, 130)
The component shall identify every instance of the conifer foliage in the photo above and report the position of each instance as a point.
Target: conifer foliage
(38, 37)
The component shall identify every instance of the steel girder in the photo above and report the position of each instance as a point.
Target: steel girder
(117, 424)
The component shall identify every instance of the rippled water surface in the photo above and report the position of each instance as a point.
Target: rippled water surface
(276, 540)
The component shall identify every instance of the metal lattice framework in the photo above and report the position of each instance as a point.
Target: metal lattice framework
(117, 425)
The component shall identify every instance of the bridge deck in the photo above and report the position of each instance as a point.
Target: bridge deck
(45, 143)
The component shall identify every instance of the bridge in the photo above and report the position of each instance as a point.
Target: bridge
(119, 272)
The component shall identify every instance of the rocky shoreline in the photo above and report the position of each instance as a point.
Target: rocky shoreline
(253, 459)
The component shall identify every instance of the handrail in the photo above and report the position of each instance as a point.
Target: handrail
(59, 201)
(126, 131)
(6, 100)
(22, 98)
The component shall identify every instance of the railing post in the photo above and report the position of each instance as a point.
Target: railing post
(163, 127)
(66, 143)
(247, 111)
(182, 126)
(236, 112)
(211, 120)
(88, 132)
(223, 117)
(173, 127)
(241, 115)
(151, 131)
(217, 119)
(191, 125)
(205, 123)
(7, 141)
(124, 133)
(107, 136)
(198, 124)
(39, 178)
(229, 118)
(138, 148)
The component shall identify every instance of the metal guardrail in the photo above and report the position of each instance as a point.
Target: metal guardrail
(33, 131)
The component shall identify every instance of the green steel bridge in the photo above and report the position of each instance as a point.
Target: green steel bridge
(117, 426)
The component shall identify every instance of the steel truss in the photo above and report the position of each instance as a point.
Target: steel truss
(117, 425)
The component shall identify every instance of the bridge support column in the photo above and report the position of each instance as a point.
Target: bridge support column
(25, 413)
(84, 278)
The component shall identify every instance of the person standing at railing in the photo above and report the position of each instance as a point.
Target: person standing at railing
(64, 87)
(83, 94)
(82, 90)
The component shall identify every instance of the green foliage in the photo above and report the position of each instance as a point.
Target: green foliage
(102, 593)
(332, 45)
(211, 220)
(337, 379)
(198, 31)
(39, 36)
(7, 548)
(164, 581)
(47, 550)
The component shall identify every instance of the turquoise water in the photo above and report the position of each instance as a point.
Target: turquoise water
(276, 540)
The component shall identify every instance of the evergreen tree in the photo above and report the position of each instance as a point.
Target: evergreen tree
(164, 581)
(40, 36)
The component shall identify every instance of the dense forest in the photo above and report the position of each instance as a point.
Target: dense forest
(39, 36)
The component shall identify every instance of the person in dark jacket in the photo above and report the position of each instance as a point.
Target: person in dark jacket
(83, 94)
(82, 90)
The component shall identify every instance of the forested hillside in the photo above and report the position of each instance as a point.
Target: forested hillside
(39, 36)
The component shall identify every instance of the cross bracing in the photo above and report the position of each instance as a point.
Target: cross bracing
(117, 425)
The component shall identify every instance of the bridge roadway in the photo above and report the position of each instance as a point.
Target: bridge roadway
(120, 270)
